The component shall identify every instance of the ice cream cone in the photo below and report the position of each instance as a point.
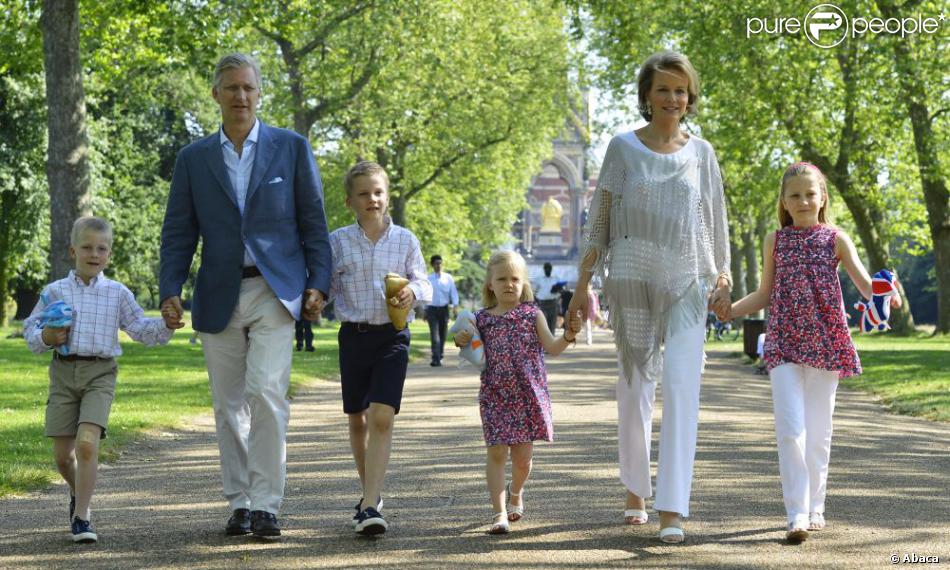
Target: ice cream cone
(394, 284)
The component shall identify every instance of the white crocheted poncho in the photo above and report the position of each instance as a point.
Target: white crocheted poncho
(657, 223)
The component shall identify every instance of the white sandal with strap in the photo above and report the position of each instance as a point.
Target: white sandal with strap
(640, 517)
(515, 513)
(816, 521)
(672, 535)
(499, 524)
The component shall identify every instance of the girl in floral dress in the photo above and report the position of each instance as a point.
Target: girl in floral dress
(808, 346)
(514, 401)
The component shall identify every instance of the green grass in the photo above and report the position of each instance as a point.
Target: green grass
(158, 388)
(911, 375)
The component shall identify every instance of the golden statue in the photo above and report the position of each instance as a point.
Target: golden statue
(551, 216)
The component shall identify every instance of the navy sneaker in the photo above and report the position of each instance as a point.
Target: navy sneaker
(264, 524)
(356, 518)
(82, 531)
(72, 507)
(370, 522)
(239, 523)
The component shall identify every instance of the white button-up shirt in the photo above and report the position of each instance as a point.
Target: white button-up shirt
(239, 170)
(100, 309)
(443, 290)
(359, 266)
(542, 288)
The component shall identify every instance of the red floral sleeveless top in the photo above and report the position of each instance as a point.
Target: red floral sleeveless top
(807, 321)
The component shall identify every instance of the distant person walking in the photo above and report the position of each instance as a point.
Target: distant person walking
(445, 297)
(548, 299)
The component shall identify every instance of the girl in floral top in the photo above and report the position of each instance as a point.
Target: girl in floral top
(808, 346)
(514, 401)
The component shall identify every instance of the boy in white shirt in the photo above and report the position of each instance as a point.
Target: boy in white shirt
(82, 382)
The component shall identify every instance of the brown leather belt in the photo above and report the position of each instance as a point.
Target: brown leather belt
(75, 357)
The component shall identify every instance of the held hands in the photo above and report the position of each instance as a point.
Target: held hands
(721, 303)
(312, 304)
(55, 336)
(578, 306)
(575, 323)
(172, 312)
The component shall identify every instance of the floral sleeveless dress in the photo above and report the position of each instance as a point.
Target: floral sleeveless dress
(514, 401)
(807, 321)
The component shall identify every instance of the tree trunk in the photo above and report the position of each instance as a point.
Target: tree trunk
(397, 210)
(751, 254)
(934, 185)
(6, 206)
(67, 165)
(735, 266)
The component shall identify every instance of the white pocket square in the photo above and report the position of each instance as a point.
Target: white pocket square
(276, 180)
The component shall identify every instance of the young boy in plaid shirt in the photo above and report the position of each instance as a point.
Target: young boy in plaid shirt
(82, 381)
(373, 354)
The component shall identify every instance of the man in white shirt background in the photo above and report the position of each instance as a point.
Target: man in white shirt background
(444, 297)
(545, 296)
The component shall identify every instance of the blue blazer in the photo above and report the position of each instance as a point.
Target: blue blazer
(284, 226)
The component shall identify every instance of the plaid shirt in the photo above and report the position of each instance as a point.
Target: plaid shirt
(100, 309)
(360, 265)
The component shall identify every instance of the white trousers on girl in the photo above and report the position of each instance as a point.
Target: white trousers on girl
(804, 400)
(682, 369)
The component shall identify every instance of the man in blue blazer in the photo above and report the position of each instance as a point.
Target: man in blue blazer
(252, 193)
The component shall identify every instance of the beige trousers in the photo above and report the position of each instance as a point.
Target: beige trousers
(249, 370)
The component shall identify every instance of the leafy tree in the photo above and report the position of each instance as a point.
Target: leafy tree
(24, 213)
(778, 98)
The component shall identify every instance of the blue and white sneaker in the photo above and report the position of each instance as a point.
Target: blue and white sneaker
(370, 522)
(82, 531)
(356, 517)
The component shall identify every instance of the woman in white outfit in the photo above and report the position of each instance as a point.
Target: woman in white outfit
(657, 234)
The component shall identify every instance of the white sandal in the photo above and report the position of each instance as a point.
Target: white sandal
(499, 524)
(672, 535)
(816, 521)
(640, 515)
(514, 513)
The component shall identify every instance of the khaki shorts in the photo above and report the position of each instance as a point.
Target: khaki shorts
(80, 391)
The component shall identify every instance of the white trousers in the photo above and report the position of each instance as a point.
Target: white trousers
(249, 370)
(804, 400)
(682, 369)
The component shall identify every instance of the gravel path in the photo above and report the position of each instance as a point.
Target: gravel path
(159, 505)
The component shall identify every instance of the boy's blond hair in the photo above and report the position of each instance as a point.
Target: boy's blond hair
(513, 260)
(364, 168)
(89, 223)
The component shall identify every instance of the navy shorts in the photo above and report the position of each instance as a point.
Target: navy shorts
(373, 363)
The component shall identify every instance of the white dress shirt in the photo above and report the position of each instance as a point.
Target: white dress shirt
(359, 266)
(443, 290)
(239, 170)
(100, 309)
(542, 289)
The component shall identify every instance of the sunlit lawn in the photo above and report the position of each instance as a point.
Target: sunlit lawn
(158, 388)
(911, 375)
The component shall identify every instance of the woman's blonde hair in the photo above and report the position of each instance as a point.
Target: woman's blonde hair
(803, 169)
(513, 260)
(667, 61)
